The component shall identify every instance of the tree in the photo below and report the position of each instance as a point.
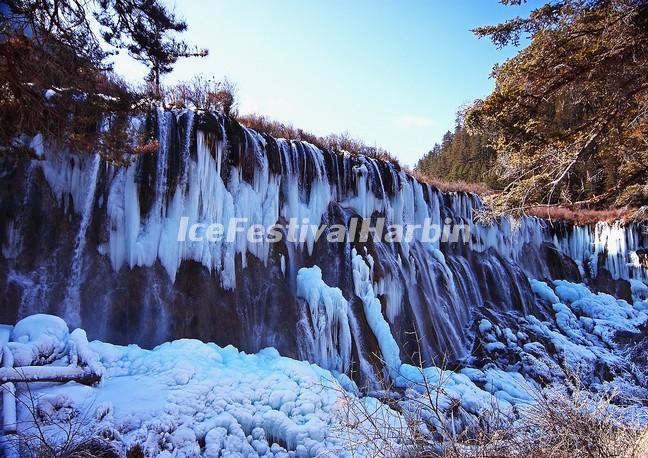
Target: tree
(569, 113)
(204, 94)
(144, 29)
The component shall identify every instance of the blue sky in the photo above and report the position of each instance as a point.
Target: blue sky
(391, 73)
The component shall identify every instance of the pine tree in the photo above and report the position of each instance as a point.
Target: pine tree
(145, 29)
(569, 113)
(460, 157)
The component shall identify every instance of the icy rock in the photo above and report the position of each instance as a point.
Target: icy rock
(569, 292)
(543, 290)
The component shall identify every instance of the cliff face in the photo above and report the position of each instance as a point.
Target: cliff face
(98, 245)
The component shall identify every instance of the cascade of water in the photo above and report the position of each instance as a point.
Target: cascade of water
(441, 315)
(366, 370)
(363, 288)
(186, 148)
(71, 306)
(154, 306)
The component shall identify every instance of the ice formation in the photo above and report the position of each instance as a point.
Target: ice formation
(327, 321)
(98, 245)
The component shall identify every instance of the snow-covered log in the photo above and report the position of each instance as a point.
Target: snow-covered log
(48, 374)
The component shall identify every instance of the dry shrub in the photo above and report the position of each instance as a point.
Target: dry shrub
(274, 128)
(570, 422)
(58, 430)
(424, 420)
(203, 94)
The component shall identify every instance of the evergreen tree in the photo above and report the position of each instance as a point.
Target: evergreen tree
(569, 113)
(145, 29)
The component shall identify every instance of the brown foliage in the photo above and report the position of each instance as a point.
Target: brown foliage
(150, 147)
(569, 112)
(51, 90)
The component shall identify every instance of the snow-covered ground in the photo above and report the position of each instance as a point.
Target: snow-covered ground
(189, 398)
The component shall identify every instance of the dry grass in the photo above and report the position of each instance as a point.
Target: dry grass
(578, 216)
(451, 186)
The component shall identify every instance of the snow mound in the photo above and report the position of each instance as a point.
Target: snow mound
(189, 398)
(39, 339)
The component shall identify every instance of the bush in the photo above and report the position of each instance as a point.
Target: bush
(572, 422)
(56, 429)
(203, 94)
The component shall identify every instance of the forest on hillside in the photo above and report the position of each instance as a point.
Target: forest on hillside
(461, 156)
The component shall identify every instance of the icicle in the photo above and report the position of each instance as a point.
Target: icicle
(329, 323)
(363, 288)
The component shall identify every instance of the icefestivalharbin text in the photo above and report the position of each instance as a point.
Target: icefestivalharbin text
(300, 231)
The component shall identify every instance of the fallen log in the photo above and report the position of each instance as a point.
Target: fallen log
(55, 374)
